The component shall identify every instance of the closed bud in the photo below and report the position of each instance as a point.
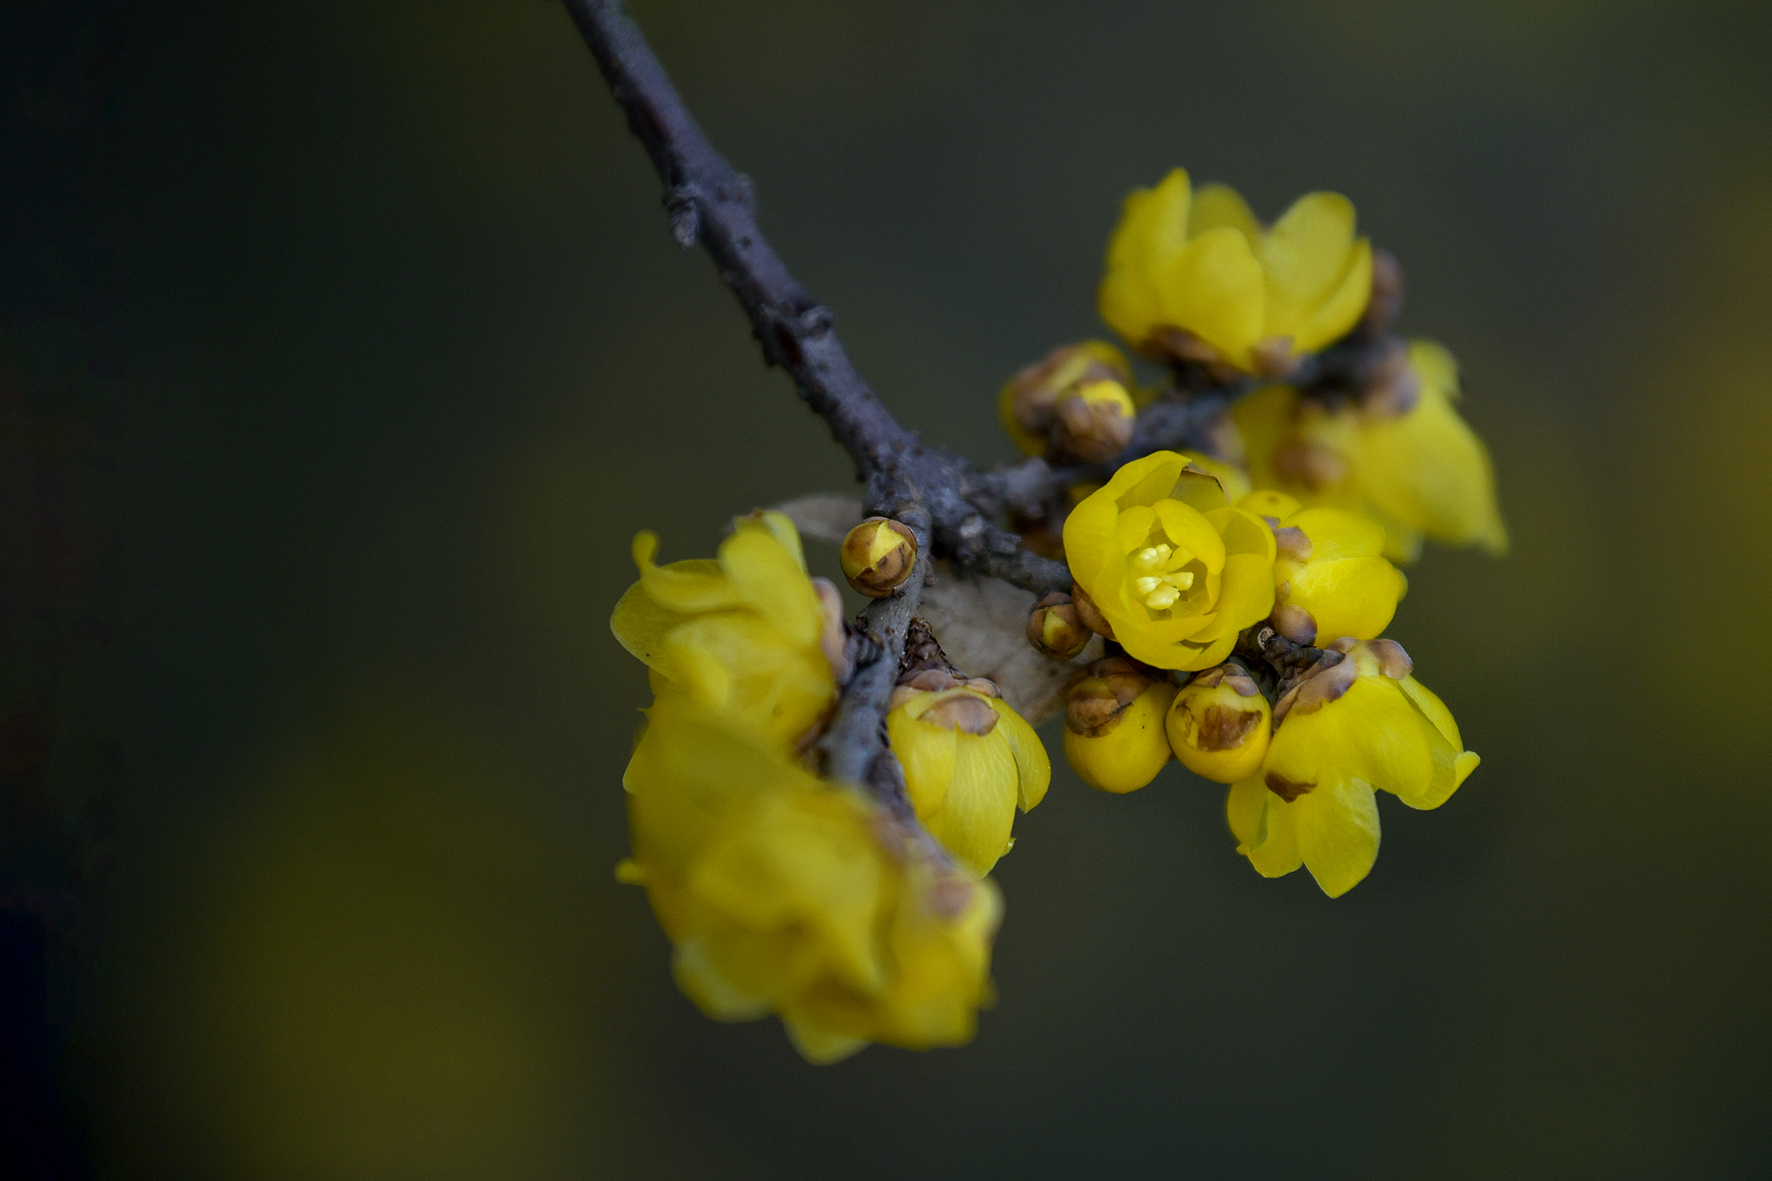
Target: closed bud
(1092, 422)
(1220, 724)
(1056, 627)
(1113, 725)
(1027, 403)
(878, 556)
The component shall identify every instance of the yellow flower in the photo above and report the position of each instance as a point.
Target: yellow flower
(1361, 724)
(747, 633)
(1220, 724)
(1330, 577)
(785, 894)
(1199, 264)
(1408, 461)
(969, 762)
(1113, 725)
(1171, 569)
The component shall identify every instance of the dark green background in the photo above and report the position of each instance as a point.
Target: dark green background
(388, 354)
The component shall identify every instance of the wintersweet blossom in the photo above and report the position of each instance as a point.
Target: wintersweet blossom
(1194, 276)
(785, 894)
(1170, 569)
(1359, 722)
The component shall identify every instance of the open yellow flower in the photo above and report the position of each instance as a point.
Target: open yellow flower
(1348, 728)
(781, 893)
(969, 762)
(1171, 569)
(1186, 267)
(1410, 463)
(747, 633)
(1330, 577)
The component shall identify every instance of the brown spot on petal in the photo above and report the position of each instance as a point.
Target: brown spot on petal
(1089, 613)
(1273, 357)
(933, 680)
(1310, 464)
(1209, 679)
(1244, 686)
(1284, 787)
(1392, 660)
(832, 639)
(984, 687)
(1225, 729)
(1324, 686)
(1292, 544)
(1344, 645)
(1295, 623)
(1095, 703)
(965, 712)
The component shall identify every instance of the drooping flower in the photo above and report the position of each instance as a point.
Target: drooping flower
(1170, 569)
(1353, 725)
(969, 762)
(748, 633)
(1113, 725)
(782, 893)
(1219, 724)
(1401, 455)
(1189, 269)
(1330, 576)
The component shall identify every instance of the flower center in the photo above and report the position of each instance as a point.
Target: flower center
(1157, 577)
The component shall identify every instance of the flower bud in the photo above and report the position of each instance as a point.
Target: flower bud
(1113, 725)
(1056, 627)
(878, 556)
(1092, 422)
(1220, 724)
(1027, 401)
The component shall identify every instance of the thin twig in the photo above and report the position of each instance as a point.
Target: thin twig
(708, 202)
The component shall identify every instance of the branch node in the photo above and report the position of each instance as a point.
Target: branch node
(680, 206)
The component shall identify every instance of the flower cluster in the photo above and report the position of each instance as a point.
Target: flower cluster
(1231, 530)
(780, 891)
(1245, 584)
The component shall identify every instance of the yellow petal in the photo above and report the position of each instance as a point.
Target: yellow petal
(820, 1046)
(772, 582)
(1264, 828)
(1213, 289)
(1089, 543)
(1348, 597)
(1342, 308)
(1031, 762)
(1428, 469)
(1219, 205)
(1338, 833)
(779, 526)
(1187, 528)
(927, 754)
(640, 624)
(1246, 593)
(1143, 481)
(974, 821)
(1304, 257)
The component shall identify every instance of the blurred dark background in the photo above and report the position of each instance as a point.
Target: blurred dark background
(344, 348)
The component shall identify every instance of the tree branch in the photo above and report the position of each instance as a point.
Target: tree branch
(709, 202)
